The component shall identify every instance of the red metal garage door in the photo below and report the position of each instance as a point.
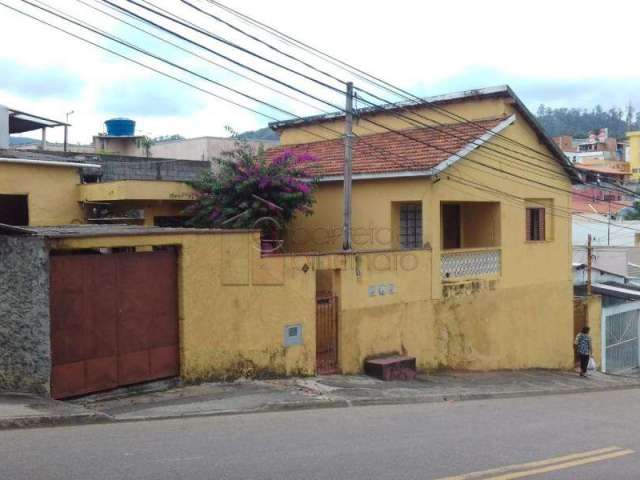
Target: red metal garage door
(114, 320)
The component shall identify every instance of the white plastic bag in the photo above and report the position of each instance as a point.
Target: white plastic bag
(592, 365)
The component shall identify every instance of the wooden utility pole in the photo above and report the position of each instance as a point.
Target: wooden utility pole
(348, 157)
(589, 260)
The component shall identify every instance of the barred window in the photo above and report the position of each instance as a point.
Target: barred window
(535, 224)
(411, 226)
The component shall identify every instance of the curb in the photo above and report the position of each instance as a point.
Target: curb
(99, 417)
(44, 421)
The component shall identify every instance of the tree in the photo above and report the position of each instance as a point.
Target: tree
(247, 190)
(633, 214)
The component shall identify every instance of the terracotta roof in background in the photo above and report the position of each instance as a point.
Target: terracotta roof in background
(583, 205)
(605, 170)
(391, 152)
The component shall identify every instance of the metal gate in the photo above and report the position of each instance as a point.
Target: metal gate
(621, 340)
(326, 334)
(114, 320)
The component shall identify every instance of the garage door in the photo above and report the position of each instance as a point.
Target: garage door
(114, 320)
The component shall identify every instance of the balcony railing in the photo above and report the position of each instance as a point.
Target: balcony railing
(464, 263)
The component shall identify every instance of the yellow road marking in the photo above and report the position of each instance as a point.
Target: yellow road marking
(536, 464)
(561, 466)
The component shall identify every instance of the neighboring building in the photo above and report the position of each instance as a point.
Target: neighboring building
(619, 260)
(598, 146)
(94, 189)
(489, 255)
(202, 148)
(634, 154)
(613, 232)
(15, 122)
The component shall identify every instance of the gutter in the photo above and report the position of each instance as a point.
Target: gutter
(49, 163)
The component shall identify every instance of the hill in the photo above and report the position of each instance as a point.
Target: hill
(261, 134)
(579, 122)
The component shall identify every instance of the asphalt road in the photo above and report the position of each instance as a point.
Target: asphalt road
(586, 436)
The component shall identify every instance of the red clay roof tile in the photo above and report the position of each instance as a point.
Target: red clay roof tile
(391, 152)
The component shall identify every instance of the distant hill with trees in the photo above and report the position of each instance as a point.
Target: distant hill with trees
(578, 122)
(261, 134)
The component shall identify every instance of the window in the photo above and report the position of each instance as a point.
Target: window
(411, 226)
(14, 210)
(535, 224)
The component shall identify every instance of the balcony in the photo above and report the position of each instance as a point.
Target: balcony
(470, 263)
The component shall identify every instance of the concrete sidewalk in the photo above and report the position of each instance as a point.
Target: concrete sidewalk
(24, 411)
(170, 400)
(345, 391)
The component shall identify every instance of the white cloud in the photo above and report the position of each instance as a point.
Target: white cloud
(544, 48)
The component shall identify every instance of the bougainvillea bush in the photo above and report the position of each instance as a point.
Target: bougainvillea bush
(248, 190)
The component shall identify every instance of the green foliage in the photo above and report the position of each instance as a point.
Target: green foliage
(635, 213)
(247, 190)
(579, 122)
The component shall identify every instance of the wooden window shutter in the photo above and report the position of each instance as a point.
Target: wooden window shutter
(528, 222)
(541, 223)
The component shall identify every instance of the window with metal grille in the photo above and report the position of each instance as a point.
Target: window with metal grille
(411, 226)
(535, 224)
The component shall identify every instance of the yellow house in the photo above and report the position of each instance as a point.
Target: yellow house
(483, 202)
(461, 259)
(634, 154)
(43, 189)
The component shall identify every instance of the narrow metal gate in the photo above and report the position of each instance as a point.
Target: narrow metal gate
(621, 340)
(326, 334)
(114, 320)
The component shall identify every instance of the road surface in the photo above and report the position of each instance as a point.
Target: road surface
(586, 436)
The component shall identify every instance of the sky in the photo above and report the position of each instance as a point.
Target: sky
(558, 53)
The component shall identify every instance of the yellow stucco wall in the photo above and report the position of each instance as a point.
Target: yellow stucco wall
(135, 190)
(233, 304)
(51, 191)
(634, 154)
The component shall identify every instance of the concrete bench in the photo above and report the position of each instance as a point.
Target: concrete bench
(391, 368)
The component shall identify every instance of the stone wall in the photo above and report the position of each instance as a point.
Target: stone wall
(25, 349)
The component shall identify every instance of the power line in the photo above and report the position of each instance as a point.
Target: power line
(127, 44)
(195, 54)
(377, 81)
(410, 120)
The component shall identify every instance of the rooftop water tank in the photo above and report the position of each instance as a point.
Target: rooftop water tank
(120, 127)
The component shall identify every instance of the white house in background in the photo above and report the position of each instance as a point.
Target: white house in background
(620, 320)
(598, 275)
(616, 233)
(615, 260)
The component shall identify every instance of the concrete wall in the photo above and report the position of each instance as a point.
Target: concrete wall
(201, 148)
(25, 359)
(233, 304)
(477, 325)
(118, 167)
(52, 192)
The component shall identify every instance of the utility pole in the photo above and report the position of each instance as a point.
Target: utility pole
(589, 260)
(609, 224)
(66, 132)
(348, 157)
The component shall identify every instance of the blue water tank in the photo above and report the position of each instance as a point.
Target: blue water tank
(120, 127)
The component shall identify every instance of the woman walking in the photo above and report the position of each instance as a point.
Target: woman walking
(583, 347)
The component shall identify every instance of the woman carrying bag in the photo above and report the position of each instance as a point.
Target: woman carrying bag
(583, 346)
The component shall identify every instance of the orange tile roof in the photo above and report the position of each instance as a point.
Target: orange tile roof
(583, 205)
(391, 152)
